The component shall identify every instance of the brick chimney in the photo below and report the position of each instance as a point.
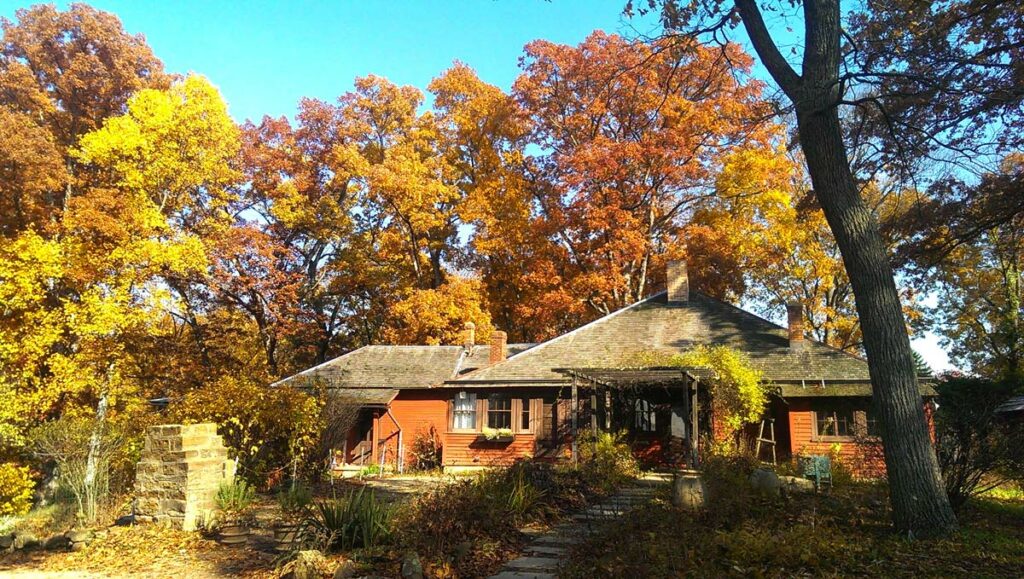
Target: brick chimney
(498, 346)
(678, 282)
(469, 336)
(795, 319)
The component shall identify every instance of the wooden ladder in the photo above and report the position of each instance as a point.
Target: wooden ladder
(770, 441)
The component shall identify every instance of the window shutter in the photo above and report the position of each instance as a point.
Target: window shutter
(481, 412)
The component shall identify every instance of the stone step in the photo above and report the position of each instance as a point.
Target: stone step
(541, 557)
(556, 540)
(523, 575)
(546, 564)
(645, 489)
(547, 550)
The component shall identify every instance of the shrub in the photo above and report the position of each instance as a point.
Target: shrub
(233, 498)
(358, 520)
(68, 442)
(426, 450)
(16, 486)
(517, 491)
(267, 428)
(606, 461)
(726, 477)
(976, 450)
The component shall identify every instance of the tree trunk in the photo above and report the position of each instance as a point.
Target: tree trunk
(919, 501)
(92, 460)
(920, 506)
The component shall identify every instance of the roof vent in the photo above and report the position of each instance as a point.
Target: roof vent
(678, 282)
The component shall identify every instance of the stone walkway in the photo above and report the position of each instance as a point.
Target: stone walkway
(540, 558)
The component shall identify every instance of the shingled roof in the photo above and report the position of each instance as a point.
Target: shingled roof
(394, 367)
(655, 325)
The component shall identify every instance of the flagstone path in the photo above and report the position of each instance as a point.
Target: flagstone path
(541, 558)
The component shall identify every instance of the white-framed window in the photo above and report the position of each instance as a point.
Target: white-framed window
(644, 416)
(464, 411)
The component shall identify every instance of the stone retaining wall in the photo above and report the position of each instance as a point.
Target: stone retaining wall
(179, 473)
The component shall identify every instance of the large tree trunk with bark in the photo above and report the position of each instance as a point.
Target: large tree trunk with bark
(920, 506)
(918, 497)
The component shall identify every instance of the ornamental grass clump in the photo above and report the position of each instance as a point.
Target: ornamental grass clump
(235, 497)
(357, 520)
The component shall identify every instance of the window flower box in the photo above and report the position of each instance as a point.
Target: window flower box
(497, 435)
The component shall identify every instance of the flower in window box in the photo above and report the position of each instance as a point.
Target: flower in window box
(497, 433)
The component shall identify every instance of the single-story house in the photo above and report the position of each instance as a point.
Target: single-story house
(494, 403)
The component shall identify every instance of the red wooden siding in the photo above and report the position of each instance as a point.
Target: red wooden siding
(863, 458)
(467, 449)
(416, 412)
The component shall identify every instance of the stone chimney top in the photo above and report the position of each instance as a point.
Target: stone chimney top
(469, 336)
(499, 342)
(678, 282)
(795, 319)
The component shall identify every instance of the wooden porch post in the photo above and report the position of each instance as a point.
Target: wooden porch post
(593, 411)
(608, 409)
(374, 436)
(575, 418)
(694, 418)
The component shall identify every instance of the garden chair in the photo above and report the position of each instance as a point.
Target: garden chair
(819, 469)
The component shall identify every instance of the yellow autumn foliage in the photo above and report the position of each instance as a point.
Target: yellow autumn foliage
(16, 486)
(738, 391)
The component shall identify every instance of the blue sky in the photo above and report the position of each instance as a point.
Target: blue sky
(264, 56)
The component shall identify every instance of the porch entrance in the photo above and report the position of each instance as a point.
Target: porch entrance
(664, 409)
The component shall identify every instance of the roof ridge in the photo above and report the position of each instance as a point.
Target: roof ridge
(751, 314)
(540, 346)
(411, 346)
(317, 367)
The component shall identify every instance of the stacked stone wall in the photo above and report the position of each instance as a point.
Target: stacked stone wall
(179, 472)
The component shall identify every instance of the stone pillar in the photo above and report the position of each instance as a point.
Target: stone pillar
(179, 473)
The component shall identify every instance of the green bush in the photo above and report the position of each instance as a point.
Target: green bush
(16, 486)
(607, 461)
(235, 497)
(371, 470)
(977, 451)
(357, 520)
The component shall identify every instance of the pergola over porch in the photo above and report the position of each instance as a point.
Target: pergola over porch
(680, 385)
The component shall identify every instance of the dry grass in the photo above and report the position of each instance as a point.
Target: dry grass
(843, 534)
